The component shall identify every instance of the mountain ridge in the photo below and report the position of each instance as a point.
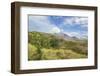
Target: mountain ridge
(61, 35)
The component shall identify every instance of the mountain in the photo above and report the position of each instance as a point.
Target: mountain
(59, 35)
(64, 36)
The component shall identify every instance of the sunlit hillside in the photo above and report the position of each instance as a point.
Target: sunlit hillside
(44, 46)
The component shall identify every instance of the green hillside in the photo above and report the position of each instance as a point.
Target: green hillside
(44, 46)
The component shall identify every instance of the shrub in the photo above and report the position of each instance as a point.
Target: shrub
(79, 49)
(33, 53)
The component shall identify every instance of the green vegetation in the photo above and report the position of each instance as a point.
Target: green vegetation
(44, 46)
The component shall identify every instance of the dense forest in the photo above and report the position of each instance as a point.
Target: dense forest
(44, 46)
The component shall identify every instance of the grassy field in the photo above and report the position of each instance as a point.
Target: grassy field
(48, 47)
(52, 54)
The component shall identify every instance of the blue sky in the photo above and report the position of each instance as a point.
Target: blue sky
(71, 25)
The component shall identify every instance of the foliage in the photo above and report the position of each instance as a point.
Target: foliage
(32, 53)
(52, 54)
(44, 46)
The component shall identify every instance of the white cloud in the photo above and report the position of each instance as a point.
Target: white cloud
(42, 24)
(85, 34)
(82, 21)
(55, 30)
(68, 21)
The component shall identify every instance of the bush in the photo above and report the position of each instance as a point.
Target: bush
(33, 54)
(79, 49)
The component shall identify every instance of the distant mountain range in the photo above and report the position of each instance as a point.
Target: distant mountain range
(65, 36)
(62, 35)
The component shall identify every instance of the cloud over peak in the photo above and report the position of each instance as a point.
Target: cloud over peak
(71, 25)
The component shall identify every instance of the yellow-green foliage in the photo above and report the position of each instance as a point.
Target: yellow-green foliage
(51, 54)
(32, 52)
(43, 46)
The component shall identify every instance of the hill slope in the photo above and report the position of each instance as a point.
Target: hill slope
(56, 45)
